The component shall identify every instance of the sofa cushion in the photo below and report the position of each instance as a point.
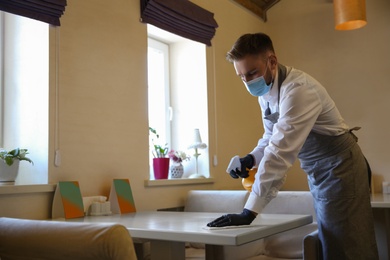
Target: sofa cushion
(223, 201)
(291, 202)
(287, 244)
(196, 251)
(244, 251)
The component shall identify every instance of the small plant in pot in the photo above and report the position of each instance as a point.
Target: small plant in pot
(16, 154)
(159, 151)
(160, 159)
(9, 163)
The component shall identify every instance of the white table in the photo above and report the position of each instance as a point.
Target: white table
(380, 200)
(168, 231)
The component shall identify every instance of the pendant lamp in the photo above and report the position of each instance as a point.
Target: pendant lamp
(349, 14)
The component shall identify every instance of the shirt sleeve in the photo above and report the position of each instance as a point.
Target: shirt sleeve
(299, 107)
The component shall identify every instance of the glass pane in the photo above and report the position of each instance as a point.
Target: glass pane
(156, 91)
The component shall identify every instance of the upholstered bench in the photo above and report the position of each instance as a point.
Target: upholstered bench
(285, 245)
(22, 239)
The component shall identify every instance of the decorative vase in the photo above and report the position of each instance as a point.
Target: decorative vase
(161, 168)
(8, 173)
(177, 171)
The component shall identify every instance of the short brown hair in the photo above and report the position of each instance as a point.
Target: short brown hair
(250, 44)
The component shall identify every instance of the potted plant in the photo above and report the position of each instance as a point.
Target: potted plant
(160, 159)
(177, 168)
(9, 163)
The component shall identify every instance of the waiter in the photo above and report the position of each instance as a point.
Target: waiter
(302, 121)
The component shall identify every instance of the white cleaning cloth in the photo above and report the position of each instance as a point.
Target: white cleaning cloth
(230, 227)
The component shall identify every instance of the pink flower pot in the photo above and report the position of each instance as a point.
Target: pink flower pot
(161, 168)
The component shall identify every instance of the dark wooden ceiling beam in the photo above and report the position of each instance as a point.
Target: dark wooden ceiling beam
(258, 7)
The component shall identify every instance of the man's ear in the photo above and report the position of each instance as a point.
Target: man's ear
(273, 61)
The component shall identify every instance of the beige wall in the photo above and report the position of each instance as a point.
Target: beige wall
(102, 117)
(103, 129)
(352, 65)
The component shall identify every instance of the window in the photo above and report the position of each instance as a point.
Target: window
(24, 96)
(178, 94)
(158, 88)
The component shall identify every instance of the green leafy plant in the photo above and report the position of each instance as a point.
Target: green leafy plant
(159, 151)
(16, 154)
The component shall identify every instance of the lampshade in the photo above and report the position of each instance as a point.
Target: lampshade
(349, 14)
(197, 141)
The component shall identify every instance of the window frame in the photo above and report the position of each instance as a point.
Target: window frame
(1, 78)
(20, 36)
(164, 48)
(187, 112)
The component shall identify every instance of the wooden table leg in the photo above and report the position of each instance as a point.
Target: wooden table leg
(169, 250)
(214, 252)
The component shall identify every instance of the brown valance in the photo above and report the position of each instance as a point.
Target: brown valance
(48, 11)
(180, 17)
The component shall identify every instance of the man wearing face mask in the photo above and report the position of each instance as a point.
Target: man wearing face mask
(302, 121)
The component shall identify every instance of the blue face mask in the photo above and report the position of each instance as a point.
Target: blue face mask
(258, 87)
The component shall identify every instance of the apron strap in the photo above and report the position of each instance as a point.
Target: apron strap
(282, 71)
(356, 128)
(282, 74)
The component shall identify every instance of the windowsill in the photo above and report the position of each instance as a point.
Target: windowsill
(177, 182)
(37, 188)
(31, 188)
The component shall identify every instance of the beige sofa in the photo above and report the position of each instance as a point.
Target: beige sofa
(286, 245)
(22, 239)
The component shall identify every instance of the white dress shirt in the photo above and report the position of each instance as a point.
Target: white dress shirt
(304, 106)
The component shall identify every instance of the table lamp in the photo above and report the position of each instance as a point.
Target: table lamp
(197, 144)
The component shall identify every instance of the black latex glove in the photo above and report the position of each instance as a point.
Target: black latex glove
(245, 218)
(246, 163)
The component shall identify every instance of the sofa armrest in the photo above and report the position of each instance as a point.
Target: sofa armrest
(59, 240)
(312, 247)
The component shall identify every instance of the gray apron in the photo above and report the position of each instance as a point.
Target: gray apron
(337, 176)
